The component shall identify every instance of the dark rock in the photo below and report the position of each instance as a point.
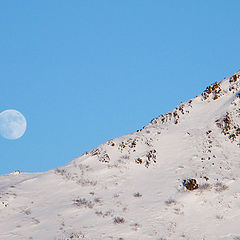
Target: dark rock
(190, 184)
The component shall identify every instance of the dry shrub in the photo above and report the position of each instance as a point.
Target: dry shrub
(204, 186)
(118, 220)
(82, 202)
(170, 201)
(137, 194)
(220, 187)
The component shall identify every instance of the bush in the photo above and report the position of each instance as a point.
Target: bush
(170, 201)
(82, 202)
(219, 187)
(118, 220)
(137, 194)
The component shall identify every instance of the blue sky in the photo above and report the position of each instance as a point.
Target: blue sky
(83, 72)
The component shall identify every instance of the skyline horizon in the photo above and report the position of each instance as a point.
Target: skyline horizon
(86, 72)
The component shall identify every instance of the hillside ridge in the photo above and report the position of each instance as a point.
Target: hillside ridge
(176, 178)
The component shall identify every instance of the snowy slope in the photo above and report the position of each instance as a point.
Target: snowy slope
(139, 186)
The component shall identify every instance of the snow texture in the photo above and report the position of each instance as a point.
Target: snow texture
(177, 178)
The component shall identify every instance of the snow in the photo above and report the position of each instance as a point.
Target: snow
(132, 187)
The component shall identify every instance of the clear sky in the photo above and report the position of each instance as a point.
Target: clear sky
(83, 72)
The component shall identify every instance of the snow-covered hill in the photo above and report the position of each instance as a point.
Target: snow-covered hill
(177, 178)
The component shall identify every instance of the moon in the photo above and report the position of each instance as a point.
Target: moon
(12, 124)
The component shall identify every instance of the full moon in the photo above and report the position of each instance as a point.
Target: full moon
(12, 124)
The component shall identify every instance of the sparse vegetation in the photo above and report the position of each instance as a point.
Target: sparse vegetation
(71, 236)
(219, 217)
(108, 213)
(97, 200)
(116, 195)
(86, 182)
(138, 195)
(27, 211)
(82, 202)
(220, 187)
(125, 157)
(119, 220)
(204, 186)
(170, 202)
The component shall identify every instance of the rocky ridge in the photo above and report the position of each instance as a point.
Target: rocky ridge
(176, 178)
